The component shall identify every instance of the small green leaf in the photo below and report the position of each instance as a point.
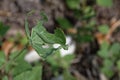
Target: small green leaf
(3, 29)
(20, 67)
(108, 63)
(53, 61)
(105, 3)
(103, 29)
(104, 50)
(105, 45)
(107, 67)
(48, 37)
(5, 78)
(84, 38)
(67, 75)
(73, 4)
(118, 64)
(23, 76)
(2, 58)
(0, 43)
(64, 23)
(44, 17)
(20, 64)
(115, 48)
(60, 34)
(27, 29)
(88, 13)
(107, 71)
(34, 74)
(103, 53)
(24, 40)
(67, 60)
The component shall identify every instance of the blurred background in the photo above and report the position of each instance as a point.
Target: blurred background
(92, 29)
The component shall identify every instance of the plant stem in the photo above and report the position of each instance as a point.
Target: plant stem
(20, 52)
(3, 66)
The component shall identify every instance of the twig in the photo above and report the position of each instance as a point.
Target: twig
(112, 29)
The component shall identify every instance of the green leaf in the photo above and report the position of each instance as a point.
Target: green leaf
(105, 45)
(67, 75)
(88, 13)
(8, 66)
(20, 64)
(59, 33)
(24, 40)
(53, 61)
(20, 67)
(64, 23)
(57, 37)
(115, 48)
(27, 29)
(3, 29)
(107, 67)
(44, 17)
(104, 50)
(73, 4)
(5, 78)
(0, 43)
(34, 74)
(43, 52)
(118, 64)
(107, 71)
(66, 60)
(37, 73)
(23, 76)
(92, 23)
(2, 58)
(108, 63)
(40, 37)
(103, 53)
(84, 38)
(103, 29)
(105, 3)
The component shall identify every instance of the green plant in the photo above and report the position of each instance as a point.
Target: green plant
(42, 41)
(65, 61)
(110, 55)
(18, 68)
(103, 29)
(40, 37)
(3, 30)
(83, 14)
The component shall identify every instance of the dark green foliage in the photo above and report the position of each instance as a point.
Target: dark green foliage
(64, 23)
(3, 29)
